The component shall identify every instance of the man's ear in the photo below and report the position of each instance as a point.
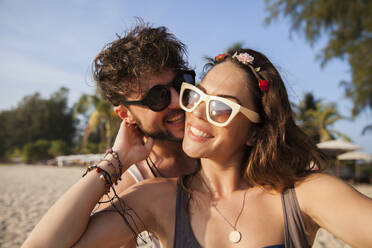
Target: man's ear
(124, 114)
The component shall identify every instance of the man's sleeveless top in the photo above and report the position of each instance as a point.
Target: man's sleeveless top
(294, 229)
(135, 173)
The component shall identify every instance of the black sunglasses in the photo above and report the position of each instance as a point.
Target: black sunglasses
(158, 97)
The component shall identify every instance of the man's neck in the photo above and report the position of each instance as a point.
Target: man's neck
(165, 148)
(170, 159)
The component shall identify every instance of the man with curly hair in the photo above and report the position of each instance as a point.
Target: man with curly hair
(141, 75)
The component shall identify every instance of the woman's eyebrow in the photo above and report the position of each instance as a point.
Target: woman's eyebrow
(220, 95)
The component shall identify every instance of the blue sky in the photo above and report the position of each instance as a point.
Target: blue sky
(48, 44)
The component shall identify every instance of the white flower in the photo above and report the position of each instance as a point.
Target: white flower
(245, 58)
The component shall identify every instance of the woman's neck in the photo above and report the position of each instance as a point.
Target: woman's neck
(221, 179)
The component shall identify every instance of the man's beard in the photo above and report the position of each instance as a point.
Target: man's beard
(160, 135)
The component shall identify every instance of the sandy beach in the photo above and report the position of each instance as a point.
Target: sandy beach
(28, 191)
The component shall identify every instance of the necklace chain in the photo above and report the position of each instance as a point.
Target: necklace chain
(153, 165)
(219, 212)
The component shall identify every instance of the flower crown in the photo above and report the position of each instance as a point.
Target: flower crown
(247, 59)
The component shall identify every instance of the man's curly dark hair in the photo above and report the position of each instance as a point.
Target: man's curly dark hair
(143, 50)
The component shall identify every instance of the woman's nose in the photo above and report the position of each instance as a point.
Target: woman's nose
(199, 111)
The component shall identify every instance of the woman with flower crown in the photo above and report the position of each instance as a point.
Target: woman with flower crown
(259, 183)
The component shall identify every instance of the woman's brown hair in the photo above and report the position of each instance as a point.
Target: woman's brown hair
(282, 154)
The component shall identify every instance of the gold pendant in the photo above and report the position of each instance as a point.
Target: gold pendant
(235, 236)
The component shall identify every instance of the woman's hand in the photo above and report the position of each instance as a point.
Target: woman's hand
(131, 144)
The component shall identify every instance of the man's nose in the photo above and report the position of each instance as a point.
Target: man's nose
(175, 99)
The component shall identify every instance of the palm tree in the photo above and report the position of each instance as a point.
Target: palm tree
(323, 118)
(316, 118)
(367, 129)
(230, 50)
(101, 117)
(236, 46)
(302, 117)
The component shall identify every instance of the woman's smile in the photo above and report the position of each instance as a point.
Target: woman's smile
(198, 133)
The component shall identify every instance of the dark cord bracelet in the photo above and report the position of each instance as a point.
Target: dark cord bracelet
(115, 155)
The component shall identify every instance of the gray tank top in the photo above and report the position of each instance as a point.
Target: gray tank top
(294, 228)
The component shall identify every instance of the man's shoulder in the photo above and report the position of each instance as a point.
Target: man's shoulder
(157, 196)
(159, 185)
(155, 187)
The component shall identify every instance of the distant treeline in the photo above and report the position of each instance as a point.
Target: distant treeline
(37, 121)
(39, 129)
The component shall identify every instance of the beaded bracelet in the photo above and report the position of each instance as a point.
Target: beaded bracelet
(115, 155)
(105, 176)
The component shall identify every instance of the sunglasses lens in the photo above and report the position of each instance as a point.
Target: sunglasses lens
(219, 111)
(158, 98)
(190, 98)
(177, 85)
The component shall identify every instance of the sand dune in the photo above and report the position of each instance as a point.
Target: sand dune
(28, 192)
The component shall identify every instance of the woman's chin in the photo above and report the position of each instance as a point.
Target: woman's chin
(192, 150)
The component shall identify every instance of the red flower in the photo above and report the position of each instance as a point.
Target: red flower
(219, 57)
(264, 85)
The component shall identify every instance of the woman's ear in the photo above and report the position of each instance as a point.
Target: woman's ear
(124, 114)
(249, 143)
(251, 140)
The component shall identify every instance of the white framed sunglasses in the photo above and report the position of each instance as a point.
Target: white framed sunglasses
(219, 110)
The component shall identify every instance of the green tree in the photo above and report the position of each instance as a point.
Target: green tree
(35, 119)
(230, 50)
(101, 120)
(236, 46)
(36, 151)
(3, 137)
(348, 27)
(58, 147)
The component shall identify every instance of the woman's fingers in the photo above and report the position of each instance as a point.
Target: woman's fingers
(120, 136)
(131, 144)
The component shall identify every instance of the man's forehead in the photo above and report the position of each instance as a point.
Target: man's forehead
(152, 79)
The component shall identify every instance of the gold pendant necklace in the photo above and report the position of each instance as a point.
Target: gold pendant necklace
(235, 236)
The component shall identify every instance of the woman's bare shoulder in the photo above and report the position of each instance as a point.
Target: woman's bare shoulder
(321, 189)
(337, 207)
(320, 183)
